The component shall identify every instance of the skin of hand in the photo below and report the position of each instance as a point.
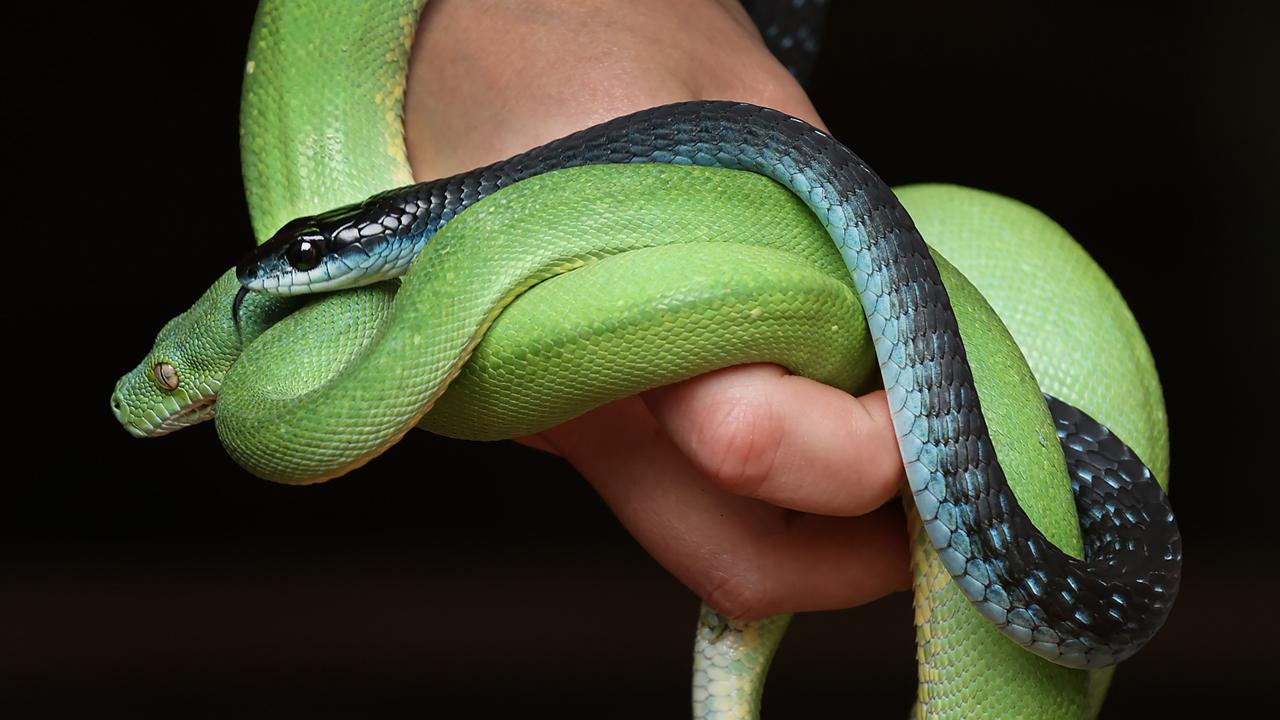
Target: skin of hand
(763, 492)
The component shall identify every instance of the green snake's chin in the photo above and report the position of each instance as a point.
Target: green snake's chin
(164, 418)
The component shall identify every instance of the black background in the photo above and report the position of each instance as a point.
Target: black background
(157, 578)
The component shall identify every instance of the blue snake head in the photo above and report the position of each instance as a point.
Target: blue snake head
(348, 247)
(176, 385)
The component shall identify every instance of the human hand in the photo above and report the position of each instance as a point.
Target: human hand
(762, 491)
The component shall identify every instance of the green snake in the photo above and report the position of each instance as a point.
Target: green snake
(562, 298)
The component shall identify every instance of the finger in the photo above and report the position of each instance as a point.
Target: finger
(746, 558)
(537, 442)
(757, 431)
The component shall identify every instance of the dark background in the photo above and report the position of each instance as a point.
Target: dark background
(157, 578)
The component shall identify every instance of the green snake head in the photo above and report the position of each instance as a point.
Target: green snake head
(176, 385)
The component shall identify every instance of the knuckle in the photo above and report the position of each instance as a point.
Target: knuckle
(737, 591)
(738, 444)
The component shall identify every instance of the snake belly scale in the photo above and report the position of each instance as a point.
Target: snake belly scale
(1085, 613)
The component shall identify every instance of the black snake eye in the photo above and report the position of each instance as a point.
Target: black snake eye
(303, 254)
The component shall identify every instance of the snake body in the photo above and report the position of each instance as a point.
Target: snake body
(528, 222)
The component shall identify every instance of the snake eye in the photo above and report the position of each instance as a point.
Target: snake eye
(303, 253)
(166, 377)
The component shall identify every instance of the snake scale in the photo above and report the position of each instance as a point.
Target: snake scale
(747, 202)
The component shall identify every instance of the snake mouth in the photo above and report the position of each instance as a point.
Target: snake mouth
(162, 419)
(193, 414)
(337, 272)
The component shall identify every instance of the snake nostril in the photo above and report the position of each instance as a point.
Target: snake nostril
(116, 403)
